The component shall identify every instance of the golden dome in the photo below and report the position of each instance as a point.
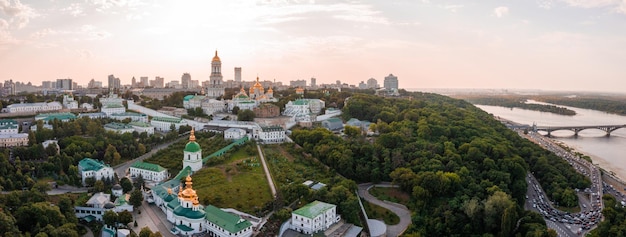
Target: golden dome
(270, 90)
(216, 58)
(299, 90)
(258, 84)
(188, 193)
(192, 138)
(169, 190)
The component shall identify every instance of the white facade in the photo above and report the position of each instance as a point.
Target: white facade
(234, 133)
(118, 128)
(69, 102)
(91, 168)
(142, 127)
(314, 217)
(164, 123)
(110, 109)
(130, 115)
(275, 134)
(34, 107)
(148, 171)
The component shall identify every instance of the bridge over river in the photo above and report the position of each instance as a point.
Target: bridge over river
(606, 128)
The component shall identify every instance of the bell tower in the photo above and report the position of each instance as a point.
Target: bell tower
(192, 155)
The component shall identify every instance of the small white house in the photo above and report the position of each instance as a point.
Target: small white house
(314, 217)
(97, 169)
(272, 134)
(234, 133)
(164, 123)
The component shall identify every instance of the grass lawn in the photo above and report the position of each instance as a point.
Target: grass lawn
(390, 194)
(237, 183)
(380, 213)
(171, 158)
(289, 167)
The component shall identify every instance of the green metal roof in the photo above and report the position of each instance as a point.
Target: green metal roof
(167, 119)
(301, 102)
(188, 97)
(272, 129)
(147, 166)
(192, 147)
(334, 120)
(8, 126)
(139, 124)
(188, 212)
(117, 126)
(129, 114)
(227, 221)
(89, 164)
(113, 105)
(313, 209)
(53, 116)
(8, 122)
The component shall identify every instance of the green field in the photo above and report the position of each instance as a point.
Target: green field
(289, 167)
(239, 183)
(380, 213)
(390, 194)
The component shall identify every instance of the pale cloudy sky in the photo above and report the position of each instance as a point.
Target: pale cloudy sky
(544, 44)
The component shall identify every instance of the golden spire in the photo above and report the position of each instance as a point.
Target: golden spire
(192, 136)
(169, 190)
(216, 58)
(188, 182)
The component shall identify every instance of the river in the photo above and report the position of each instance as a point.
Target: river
(608, 152)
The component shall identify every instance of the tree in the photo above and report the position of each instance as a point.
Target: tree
(110, 218)
(145, 232)
(98, 186)
(125, 217)
(136, 198)
(8, 224)
(126, 184)
(245, 115)
(236, 110)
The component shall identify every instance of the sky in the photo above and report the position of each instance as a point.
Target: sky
(509, 44)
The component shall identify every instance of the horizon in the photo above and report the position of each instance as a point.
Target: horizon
(553, 45)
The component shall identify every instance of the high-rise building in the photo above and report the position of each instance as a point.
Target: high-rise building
(238, 74)
(94, 84)
(157, 82)
(362, 85)
(64, 84)
(313, 82)
(143, 82)
(391, 82)
(133, 82)
(185, 81)
(372, 83)
(298, 83)
(114, 82)
(47, 85)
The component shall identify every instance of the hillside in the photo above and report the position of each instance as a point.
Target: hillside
(464, 170)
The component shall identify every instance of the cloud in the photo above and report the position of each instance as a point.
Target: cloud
(74, 9)
(501, 11)
(19, 13)
(93, 33)
(42, 33)
(618, 6)
(453, 8)
(545, 4)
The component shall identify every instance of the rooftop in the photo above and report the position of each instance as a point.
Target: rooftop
(89, 164)
(117, 126)
(147, 166)
(167, 119)
(227, 221)
(53, 116)
(139, 124)
(313, 209)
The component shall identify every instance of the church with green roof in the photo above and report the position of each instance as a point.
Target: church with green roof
(180, 203)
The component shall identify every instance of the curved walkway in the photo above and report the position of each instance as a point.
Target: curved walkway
(399, 209)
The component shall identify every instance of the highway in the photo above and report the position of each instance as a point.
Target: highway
(590, 200)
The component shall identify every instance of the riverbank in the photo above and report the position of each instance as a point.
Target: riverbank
(618, 173)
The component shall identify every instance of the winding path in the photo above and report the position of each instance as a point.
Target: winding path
(399, 209)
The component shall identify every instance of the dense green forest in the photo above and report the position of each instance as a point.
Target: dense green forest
(615, 105)
(464, 170)
(515, 101)
(614, 215)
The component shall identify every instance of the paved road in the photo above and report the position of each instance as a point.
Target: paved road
(267, 171)
(154, 218)
(399, 209)
(121, 169)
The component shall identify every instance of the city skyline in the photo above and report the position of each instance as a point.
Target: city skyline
(544, 44)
